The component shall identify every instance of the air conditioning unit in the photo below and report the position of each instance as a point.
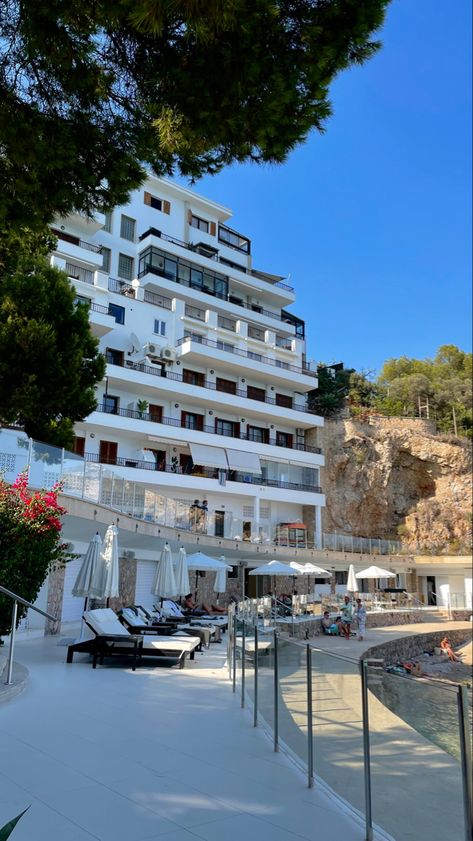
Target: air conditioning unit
(168, 354)
(150, 349)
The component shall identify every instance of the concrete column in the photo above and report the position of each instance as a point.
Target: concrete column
(257, 515)
(318, 527)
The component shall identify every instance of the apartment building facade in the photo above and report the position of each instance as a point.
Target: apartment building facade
(205, 394)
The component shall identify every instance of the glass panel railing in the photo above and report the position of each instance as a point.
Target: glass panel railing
(14, 452)
(45, 465)
(72, 478)
(266, 678)
(338, 726)
(415, 751)
(293, 698)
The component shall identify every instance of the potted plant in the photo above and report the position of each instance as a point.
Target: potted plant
(142, 406)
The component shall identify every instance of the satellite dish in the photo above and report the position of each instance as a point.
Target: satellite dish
(136, 345)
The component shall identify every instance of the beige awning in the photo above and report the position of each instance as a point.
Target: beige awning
(245, 462)
(209, 456)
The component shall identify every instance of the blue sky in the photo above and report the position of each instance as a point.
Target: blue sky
(373, 219)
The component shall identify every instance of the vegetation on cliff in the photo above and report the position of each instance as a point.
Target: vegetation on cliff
(438, 388)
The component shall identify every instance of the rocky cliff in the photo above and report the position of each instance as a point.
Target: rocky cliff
(390, 477)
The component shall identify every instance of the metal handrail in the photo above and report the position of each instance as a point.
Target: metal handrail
(30, 606)
(257, 357)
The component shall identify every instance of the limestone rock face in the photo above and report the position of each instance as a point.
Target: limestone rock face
(395, 478)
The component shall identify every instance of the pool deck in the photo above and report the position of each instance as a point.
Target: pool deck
(116, 755)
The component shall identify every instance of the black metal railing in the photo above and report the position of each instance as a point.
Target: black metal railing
(177, 423)
(201, 472)
(100, 308)
(157, 300)
(246, 354)
(208, 384)
(189, 246)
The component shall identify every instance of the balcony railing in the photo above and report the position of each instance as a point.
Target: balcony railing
(202, 472)
(100, 308)
(158, 300)
(192, 247)
(212, 430)
(275, 363)
(88, 246)
(121, 286)
(239, 392)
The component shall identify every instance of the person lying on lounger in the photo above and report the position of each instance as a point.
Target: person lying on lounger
(190, 605)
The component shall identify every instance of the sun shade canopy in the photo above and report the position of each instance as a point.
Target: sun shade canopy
(243, 461)
(209, 456)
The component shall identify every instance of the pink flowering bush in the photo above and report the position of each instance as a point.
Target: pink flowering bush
(30, 542)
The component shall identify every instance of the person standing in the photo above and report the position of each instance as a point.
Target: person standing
(347, 617)
(360, 614)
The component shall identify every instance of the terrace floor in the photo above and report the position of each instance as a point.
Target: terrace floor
(116, 755)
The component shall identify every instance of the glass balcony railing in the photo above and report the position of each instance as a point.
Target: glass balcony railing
(395, 749)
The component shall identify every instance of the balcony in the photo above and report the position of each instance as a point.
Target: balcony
(211, 430)
(207, 384)
(101, 320)
(203, 472)
(238, 242)
(304, 370)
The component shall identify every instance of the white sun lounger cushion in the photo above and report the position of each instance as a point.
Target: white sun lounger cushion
(105, 621)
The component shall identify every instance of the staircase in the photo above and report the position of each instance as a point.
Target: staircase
(435, 615)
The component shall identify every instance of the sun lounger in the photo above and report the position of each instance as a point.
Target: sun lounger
(137, 625)
(109, 637)
(173, 611)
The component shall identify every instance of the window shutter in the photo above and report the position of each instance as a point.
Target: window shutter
(166, 207)
(236, 430)
(212, 229)
(147, 198)
(266, 436)
(189, 216)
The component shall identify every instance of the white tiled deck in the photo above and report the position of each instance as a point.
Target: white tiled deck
(156, 754)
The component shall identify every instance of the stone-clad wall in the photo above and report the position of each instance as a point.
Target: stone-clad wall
(311, 627)
(406, 647)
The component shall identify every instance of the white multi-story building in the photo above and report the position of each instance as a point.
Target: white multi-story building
(205, 394)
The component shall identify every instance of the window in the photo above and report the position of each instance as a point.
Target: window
(81, 299)
(258, 434)
(79, 445)
(233, 239)
(256, 356)
(108, 222)
(159, 327)
(228, 386)
(108, 452)
(256, 393)
(155, 412)
(284, 400)
(193, 377)
(341, 576)
(114, 357)
(201, 224)
(125, 267)
(106, 259)
(226, 427)
(225, 346)
(280, 364)
(117, 312)
(283, 439)
(190, 420)
(110, 404)
(127, 228)
(156, 203)
(158, 262)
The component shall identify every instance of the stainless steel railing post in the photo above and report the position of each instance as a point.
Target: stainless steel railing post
(465, 752)
(366, 750)
(14, 613)
(276, 693)
(243, 654)
(255, 688)
(310, 736)
(234, 641)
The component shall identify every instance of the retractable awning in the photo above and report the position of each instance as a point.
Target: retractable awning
(209, 456)
(243, 461)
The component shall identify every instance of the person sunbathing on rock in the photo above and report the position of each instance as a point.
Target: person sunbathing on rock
(447, 648)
